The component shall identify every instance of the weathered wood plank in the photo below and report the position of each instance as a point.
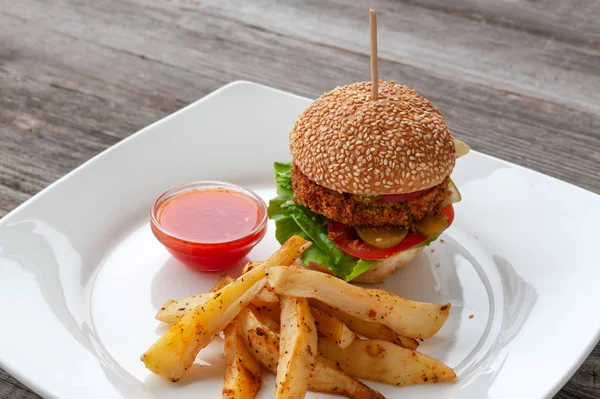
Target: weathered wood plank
(564, 21)
(529, 131)
(586, 382)
(11, 388)
(461, 47)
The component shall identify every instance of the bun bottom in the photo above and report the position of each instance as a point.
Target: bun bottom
(382, 270)
(387, 267)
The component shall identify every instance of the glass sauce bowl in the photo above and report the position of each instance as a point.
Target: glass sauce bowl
(209, 225)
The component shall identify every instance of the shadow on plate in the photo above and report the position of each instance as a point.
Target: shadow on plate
(196, 374)
(519, 300)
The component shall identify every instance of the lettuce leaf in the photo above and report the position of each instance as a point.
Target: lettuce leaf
(283, 180)
(291, 218)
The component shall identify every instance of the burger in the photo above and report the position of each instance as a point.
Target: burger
(369, 183)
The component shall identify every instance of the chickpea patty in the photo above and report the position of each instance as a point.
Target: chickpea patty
(346, 208)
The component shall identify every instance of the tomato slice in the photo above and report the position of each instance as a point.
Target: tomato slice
(402, 197)
(448, 211)
(347, 240)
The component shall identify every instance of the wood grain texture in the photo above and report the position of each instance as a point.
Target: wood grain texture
(519, 80)
(469, 49)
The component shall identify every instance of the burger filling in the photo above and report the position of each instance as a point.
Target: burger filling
(351, 233)
(366, 211)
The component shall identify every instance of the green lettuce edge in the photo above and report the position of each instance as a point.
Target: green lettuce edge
(292, 218)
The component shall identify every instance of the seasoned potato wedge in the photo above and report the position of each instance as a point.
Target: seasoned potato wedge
(242, 372)
(367, 329)
(174, 310)
(265, 318)
(405, 342)
(173, 353)
(266, 297)
(333, 328)
(325, 376)
(270, 310)
(223, 281)
(405, 317)
(298, 348)
(378, 360)
(261, 337)
(268, 303)
(266, 300)
(250, 265)
(327, 326)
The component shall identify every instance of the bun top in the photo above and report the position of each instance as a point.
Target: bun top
(349, 143)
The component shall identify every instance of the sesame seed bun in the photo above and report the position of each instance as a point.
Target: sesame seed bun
(349, 143)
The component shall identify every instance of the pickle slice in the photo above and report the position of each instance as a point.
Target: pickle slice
(461, 148)
(454, 197)
(382, 237)
(432, 225)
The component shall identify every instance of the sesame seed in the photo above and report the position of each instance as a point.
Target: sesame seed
(345, 130)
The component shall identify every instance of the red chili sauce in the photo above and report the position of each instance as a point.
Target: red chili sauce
(210, 229)
(209, 216)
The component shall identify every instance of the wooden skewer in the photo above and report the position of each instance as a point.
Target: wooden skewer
(374, 72)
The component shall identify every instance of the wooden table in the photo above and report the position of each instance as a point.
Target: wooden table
(517, 79)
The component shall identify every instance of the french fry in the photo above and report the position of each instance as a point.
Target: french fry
(242, 372)
(332, 328)
(266, 298)
(174, 310)
(272, 310)
(298, 348)
(173, 353)
(405, 317)
(325, 377)
(262, 338)
(265, 318)
(327, 326)
(328, 377)
(382, 361)
(405, 342)
(367, 329)
(250, 265)
(223, 281)
(267, 301)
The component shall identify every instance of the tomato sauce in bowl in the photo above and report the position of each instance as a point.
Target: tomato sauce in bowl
(209, 226)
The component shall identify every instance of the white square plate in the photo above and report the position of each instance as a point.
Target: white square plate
(81, 275)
